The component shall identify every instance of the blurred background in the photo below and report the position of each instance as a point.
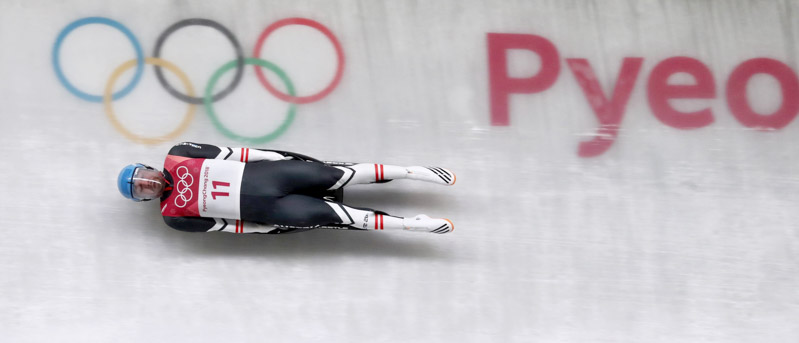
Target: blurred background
(678, 222)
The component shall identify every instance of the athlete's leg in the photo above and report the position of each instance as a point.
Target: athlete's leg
(293, 210)
(367, 219)
(370, 173)
(280, 178)
(296, 210)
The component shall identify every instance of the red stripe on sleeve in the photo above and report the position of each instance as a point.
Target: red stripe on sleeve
(382, 176)
(377, 176)
(241, 157)
(381, 222)
(247, 159)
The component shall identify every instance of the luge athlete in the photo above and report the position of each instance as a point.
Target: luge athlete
(208, 188)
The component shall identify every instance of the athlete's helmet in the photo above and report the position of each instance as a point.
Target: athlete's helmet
(137, 172)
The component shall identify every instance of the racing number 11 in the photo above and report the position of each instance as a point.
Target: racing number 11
(221, 184)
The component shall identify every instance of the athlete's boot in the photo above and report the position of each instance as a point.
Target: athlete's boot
(423, 223)
(437, 175)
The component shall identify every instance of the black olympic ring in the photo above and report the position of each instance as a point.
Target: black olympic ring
(201, 22)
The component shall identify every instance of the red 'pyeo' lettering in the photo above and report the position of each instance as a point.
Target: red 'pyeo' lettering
(502, 85)
(739, 104)
(609, 113)
(659, 92)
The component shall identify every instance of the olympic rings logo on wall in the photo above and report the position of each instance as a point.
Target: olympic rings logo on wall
(190, 97)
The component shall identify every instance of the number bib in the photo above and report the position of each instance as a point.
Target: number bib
(203, 188)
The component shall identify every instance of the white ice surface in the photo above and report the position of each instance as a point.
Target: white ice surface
(670, 236)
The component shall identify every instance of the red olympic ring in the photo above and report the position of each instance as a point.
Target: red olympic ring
(313, 24)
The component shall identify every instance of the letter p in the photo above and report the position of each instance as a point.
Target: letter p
(502, 85)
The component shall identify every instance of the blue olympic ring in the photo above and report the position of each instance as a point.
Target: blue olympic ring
(105, 21)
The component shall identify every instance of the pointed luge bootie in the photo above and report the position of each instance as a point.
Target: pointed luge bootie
(423, 223)
(431, 174)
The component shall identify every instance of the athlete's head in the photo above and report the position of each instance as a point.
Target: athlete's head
(140, 182)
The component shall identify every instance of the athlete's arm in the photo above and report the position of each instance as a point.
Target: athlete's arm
(205, 224)
(196, 150)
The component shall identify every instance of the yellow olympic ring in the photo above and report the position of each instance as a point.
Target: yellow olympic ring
(109, 110)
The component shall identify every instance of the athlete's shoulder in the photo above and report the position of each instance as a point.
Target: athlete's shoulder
(190, 224)
(195, 150)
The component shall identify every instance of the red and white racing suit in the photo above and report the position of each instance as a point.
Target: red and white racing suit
(246, 190)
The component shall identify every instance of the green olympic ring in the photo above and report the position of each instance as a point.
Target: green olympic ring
(209, 101)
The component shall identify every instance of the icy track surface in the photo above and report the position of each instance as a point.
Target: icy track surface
(669, 235)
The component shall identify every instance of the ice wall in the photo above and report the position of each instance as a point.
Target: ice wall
(676, 228)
